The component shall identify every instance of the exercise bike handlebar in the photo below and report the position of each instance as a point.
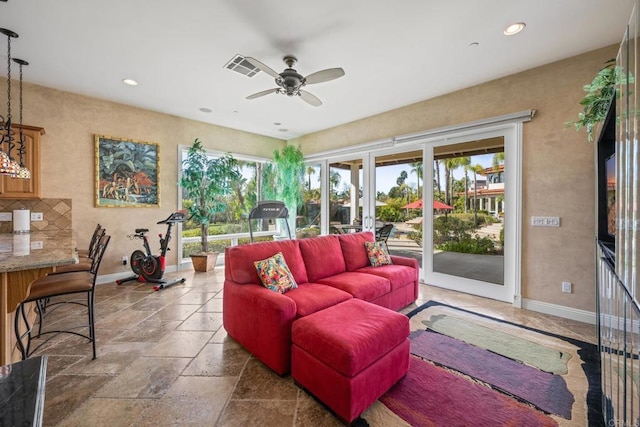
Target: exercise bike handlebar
(178, 216)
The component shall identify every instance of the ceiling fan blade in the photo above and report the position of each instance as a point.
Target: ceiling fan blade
(263, 93)
(310, 98)
(324, 75)
(262, 67)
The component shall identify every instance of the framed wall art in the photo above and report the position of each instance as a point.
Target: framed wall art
(126, 173)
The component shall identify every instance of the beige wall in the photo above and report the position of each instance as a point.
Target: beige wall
(558, 164)
(70, 122)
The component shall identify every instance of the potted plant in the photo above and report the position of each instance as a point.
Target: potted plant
(596, 102)
(205, 181)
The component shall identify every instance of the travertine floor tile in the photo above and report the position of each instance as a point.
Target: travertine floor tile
(218, 360)
(164, 359)
(108, 413)
(181, 344)
(147, 377)
(202, 322)
(191, 401)
(259, 382)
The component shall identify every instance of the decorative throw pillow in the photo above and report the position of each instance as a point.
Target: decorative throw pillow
(377, 254)
(275, 274)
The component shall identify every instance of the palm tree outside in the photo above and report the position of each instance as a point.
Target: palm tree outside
(310, 171)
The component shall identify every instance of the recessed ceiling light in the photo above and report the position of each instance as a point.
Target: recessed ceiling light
(130, 82)
(277, 123)
(514, 28)
(283, 130)
(474, 44)
(205, 109)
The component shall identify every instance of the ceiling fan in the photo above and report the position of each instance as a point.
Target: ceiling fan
(291, 83)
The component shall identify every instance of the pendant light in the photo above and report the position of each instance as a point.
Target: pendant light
(7, 167)
(23, 172)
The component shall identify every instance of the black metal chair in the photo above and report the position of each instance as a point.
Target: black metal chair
(97, 234)
(85, 260)
(383, 233)
(48, 289)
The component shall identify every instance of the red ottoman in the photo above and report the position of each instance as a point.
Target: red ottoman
(350, 354)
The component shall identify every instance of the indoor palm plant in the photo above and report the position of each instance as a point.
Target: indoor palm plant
(205, 181)
(289, 178)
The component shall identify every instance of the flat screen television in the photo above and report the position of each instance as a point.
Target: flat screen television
(610, 176)
(606, 166)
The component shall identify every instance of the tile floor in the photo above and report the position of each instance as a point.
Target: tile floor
(164, 359)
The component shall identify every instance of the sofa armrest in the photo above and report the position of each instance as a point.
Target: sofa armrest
(402, 260)
(260, 320)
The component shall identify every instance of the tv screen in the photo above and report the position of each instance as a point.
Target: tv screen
(610, 171)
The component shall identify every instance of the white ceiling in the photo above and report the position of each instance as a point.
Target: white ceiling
(394, 52)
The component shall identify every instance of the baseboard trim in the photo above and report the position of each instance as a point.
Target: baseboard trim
(560, 311)
(109, 278)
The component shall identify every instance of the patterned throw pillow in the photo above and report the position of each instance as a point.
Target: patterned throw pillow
(377, 254)
(275, 274)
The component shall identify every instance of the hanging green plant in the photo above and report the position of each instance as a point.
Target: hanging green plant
(289, 178)
(596, 102)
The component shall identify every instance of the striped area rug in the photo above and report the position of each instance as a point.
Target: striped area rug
(468, 369)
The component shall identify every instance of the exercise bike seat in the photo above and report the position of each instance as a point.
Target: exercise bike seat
(141, 230)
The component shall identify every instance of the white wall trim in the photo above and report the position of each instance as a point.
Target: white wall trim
(424, 136)
(560, 311)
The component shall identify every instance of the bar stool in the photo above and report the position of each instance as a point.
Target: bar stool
(85, 258)
(97, 233)
(57, 285)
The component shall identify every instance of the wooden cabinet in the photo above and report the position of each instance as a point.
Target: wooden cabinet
(15, 188)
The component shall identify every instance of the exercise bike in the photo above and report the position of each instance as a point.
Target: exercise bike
(148, 267)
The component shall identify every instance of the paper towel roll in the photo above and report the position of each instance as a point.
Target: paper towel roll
(21, 244)
(21, 221)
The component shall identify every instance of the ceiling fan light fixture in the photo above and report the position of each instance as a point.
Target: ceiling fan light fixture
(130, 82)
(290, 82)
(514, 29)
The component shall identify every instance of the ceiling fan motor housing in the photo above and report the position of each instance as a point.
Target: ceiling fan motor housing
(290, 81)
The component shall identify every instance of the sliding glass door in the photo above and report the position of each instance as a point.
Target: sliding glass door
(470, 231)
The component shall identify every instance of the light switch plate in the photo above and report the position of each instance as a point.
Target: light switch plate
(545, 221)
(6, 216)
(36, 216)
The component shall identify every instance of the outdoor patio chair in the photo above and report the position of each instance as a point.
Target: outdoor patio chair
(383, 233)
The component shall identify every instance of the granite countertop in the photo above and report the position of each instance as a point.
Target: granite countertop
(38, 249)
(22, 389)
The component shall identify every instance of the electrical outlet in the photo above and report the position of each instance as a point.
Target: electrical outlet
(6, 216)
(566, 287)
(36, 216)
(124, 260)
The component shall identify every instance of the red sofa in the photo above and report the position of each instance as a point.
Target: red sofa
(328, 270)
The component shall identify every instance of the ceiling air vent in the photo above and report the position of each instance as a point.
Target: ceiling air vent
(242, 66)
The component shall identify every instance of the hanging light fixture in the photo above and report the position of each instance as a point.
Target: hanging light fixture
(23, 172)
(8, 166)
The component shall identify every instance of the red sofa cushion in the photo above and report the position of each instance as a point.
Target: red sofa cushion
(363, 286)
(398, 275)
(353, 250)
(312, 297)
(322, 257)
(373, 331)
(239, 260)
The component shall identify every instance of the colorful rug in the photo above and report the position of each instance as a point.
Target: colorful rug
(469, 369)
